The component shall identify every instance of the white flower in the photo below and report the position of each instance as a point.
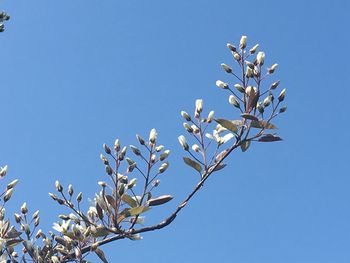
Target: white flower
(61, 227)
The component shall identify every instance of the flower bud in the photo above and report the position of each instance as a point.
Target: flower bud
(260, 108)
(156, 183)
(36, 214)
(159, 148)
(221, 84)
(250, 64)
(152, 136)
(199, 105)
(3, 171)
(12, 184)
(239, 88)
(24, 208)
(253, 49)
(272, 69)
(132, 183)
(243, 42)
(260, 58)
(249, 73)
(231, 47)
(210, 116)
(104, 159)
(164, 155)
(163, 167)
(122, 153)
(187, 127)
(109, 170)
(236, 56)
(233, 101)
(185, 115)
(183, 142)
(17, 218)
(58, 186)
(70, 190)
(282, 95)
(195, 128)
(267, 101)
(79, 197)
(140, 139)
(283, 109)
(275, 85)
(195, 148)
(135, 150)
(102, 184)
(117, 145)
(106, 148)
(226, 68)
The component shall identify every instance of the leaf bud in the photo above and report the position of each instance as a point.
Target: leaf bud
(233, 101)
(140, 139)
(243, 42)
(106, 149)
(253, 49)
(185, 115)
(272, 68)
(282, 95)
(135, 150)
(275, 85)
(187, 127)
(239, 88)
(152, 137)
(221, 84)
(24, 208)
(58, 186)
(260, 58)
(164, 155)
(231, 47)
(183, 142)
(226, 68)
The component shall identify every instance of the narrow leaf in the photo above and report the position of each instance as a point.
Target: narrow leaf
(227, 124)
(262, 124)
(249, 117)
(99, 211)
(219, 167)
(101, 255)
(138, 210)
(221, 155)
(129, 200)
(193, 164)
(269, 138)
(159, 200)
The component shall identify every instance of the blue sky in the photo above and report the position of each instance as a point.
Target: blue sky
(76, 74)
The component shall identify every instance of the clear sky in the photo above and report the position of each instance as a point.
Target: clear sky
(76, 74)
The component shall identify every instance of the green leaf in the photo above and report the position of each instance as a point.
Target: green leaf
(263, 124)
(129, 200)
(227, 124)
(138, 210)
(269, 138)
(193, 164)
(249, 117)
(245, 145)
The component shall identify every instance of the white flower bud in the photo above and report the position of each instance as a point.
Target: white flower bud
(195, 148)
(210, 116)
(199, 105)
(282, 95)
(233, 101)
(183, 142)
(221, 84)
(249, 73)
(231, 47)
(226, 68)
(253, 49)
(272, 68)
(185, 115)
(153, 136)
(243, 42)
(239, 88)
(260, 58)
